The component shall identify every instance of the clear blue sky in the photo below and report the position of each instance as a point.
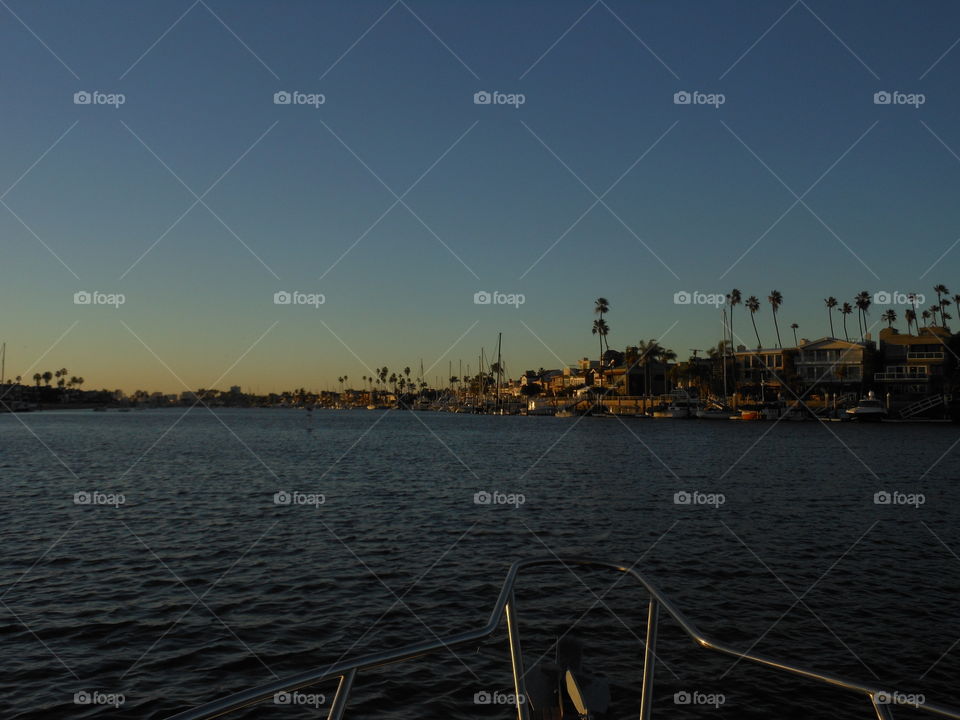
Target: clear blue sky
(399, 81)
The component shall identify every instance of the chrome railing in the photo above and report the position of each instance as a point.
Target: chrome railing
(880, 699)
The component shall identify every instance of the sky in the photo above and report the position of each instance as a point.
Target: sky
(186, 192)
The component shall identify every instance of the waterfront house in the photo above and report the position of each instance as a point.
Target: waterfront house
(833, 365)
(772, 368)
(912, 365)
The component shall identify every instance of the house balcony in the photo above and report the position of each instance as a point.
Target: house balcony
(929, 355)
(900, 376)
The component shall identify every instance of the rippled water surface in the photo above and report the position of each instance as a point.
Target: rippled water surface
(200, 584)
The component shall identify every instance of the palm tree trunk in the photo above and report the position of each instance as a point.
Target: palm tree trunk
(846, 336)
(777, 326)
(830, 315)
(754, 321)
(733, 367)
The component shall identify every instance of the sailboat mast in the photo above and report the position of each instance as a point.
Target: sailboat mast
(499, 358)
(724, 356)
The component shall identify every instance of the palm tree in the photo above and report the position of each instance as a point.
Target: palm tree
(600, 328)
(647, 351)
(776, 300)
(753, 305)
(831, 303)
(934, 309)
(845, 310)
(910, 315)
(956, 302)
(794, 326)
(734, 298)
(890, 317)
(926, 316)
(862, 302)
(940, 289)
(47, 377)
(37, 377)
(601, 306)
(944, 304)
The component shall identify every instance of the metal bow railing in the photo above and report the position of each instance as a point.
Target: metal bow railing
(880, 699)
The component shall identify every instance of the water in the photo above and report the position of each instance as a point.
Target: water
(199, 584)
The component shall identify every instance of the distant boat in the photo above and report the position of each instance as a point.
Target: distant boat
(715, 412)
(869, 409)
(680, 406)
(750, 412)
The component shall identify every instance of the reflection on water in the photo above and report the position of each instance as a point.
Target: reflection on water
(202, 583)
